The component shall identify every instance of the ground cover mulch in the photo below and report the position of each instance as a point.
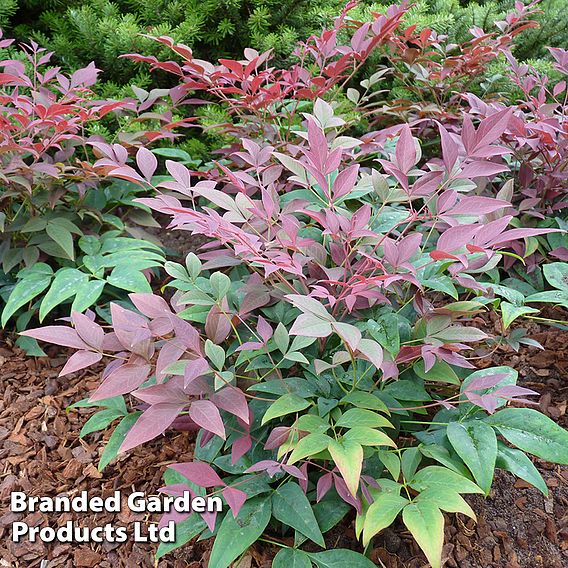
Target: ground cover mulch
(41, 454)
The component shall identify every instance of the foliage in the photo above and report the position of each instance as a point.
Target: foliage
(319, 343)
(62, 228)
(102, 30)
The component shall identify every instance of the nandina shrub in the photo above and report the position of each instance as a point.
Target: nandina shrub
(63, 232)
(319, 345)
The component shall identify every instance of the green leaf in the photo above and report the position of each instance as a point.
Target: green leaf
(476, 444)
(362, 417)
(510, 313)
(440, 372)
(381, 514)
(281, 338)
(129, 279)
(297, 357)
(385, 331)
(391, 461)
(330, 511)
(447, 500)
(286, 404)
(67, 282)
(442, 284)
(215, 353)
(63, 237)
(220, 284)
(291, 558)
(426, 524)
(236, 535)
(410, 460)
(291, 507)
(550, 296)
(89, 244)
(32, 283)
(519, 464)
(87, 295)
(340, 558)
(186, 530)
(532, 432)
(437, 476)
(100, 420)
(310, 445)
(30, 346)
(556, 273)
(368, 437)
(172, 153)
(348, 457)
(443, 456)
(116, 439)
(366, 400)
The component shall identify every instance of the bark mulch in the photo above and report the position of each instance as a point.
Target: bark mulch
(41, 454)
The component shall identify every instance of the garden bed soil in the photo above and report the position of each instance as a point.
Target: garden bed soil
(41, 454)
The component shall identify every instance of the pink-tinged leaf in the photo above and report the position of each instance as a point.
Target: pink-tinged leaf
(147, 162)
(217, 324)
(270, 466)
(345, 181)
(195, 368)
(477, 206)
(232, 400)
(127, 173)
(485, 382)
(405, 151)
(172, 391)
(277, 437)
(240, 447)
(513, 391)
(235, 499)
(318, 145)
(514, 234)
(491, 128)
(125, 379)
(89, 331)
(324, 485)
(153, 422)
(457, 237)
(479, 169)
(58, 335)
(343, 492)
(303, 482)
(294, 471)
(372, 351)
(206, 414)
(309, 325)
(150, 305)
(264, 329)
(210, 519)
(170, 352)
(80, 360)
(179, 172)
(449, 149)
(408, 247)
(200, 473)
